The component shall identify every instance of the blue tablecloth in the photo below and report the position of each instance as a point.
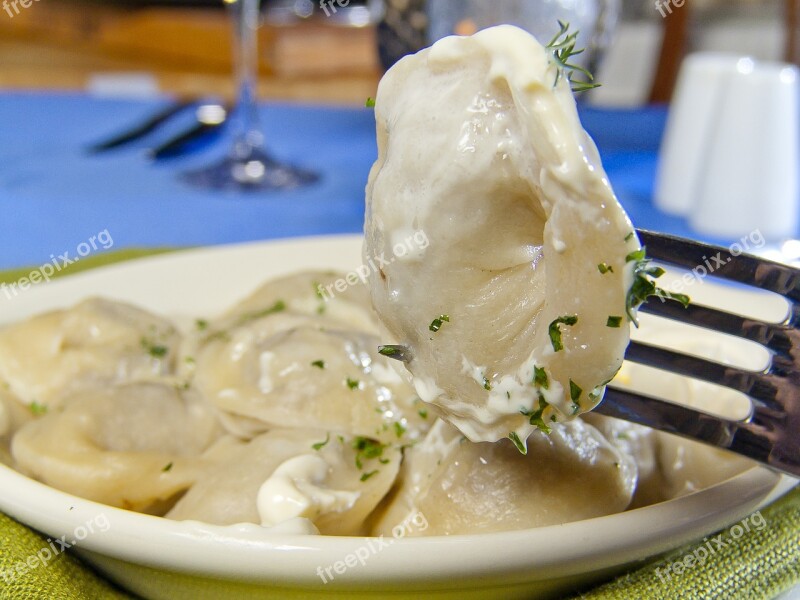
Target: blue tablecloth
(53, 195)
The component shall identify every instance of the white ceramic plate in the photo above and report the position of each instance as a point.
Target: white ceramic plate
(158, 558)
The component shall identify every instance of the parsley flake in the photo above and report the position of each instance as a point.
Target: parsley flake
(201, 324)
(514, 437)
(437, 323)
(399, 429)
(320, 364)
(167, 468)
(575, 391)
(555, 332)
(605, 268)
(366, 476)
(614, 321)
(37, 409)
(540, 378)
(353, 384)
(323, 443)
(643, 286)
(370, 103)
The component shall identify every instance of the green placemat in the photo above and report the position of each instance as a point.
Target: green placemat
(757, 561)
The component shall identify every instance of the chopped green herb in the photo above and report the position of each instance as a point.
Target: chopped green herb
(317, 289)
(423, 413)
(167, 468)
(370, 103)
(189, 360)
(605, 268)
(540, 378)
(644, 287)
(387, 350)
(153, 349)
(384, 461)
(279, 306)
(614, 321)
(320, 364)
(436, 324)
(536, 417)
(367, 449)
(37, 409)
(399, 429)
(623, 436)
(366, 476)
(554, 419)
(629, 237)
(508, 394)
(486, 385)
(353, 384)
(563, 48)
(201, 324)
(518, 442)
(575, 391)
(555, 332)
(323, 443)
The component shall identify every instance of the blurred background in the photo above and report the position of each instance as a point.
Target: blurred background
(167, 123)
(183, 46)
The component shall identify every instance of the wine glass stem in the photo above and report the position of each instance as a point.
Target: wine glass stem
(247, 136)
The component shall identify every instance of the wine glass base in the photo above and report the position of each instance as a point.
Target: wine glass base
(257, 172)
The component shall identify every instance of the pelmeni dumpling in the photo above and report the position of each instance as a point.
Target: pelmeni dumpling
(290, 370)
(131, 445)
(97, 342)
(519, 302)
(313, 293)
(462, 487)
(288, 473)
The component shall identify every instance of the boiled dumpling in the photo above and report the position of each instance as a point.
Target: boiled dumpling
(462, 487)
(516, 311)
(132, 445)
(312, 293)
(335, 482)
(290, 370)
(97, 342)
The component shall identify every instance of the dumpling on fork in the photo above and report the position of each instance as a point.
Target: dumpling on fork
(517, 313)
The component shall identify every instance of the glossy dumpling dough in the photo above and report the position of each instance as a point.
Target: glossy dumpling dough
(280, 475)
(462, 487)
(132, 445)
(96, 342)
(291, 370)
(510, 192)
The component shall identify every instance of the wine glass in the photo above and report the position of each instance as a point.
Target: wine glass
(248, 166)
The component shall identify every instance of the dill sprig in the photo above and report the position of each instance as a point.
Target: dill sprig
(563, 49)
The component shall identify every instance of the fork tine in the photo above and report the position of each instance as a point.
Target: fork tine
(763, 387)
(738, 436)
(748, 269)
(775, 336)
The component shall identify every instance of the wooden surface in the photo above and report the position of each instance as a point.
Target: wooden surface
(63, 44)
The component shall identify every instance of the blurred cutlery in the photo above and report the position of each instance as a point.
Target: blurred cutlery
(210, 118)
(143, 128)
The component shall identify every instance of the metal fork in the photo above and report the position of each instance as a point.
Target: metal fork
(771, 433)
